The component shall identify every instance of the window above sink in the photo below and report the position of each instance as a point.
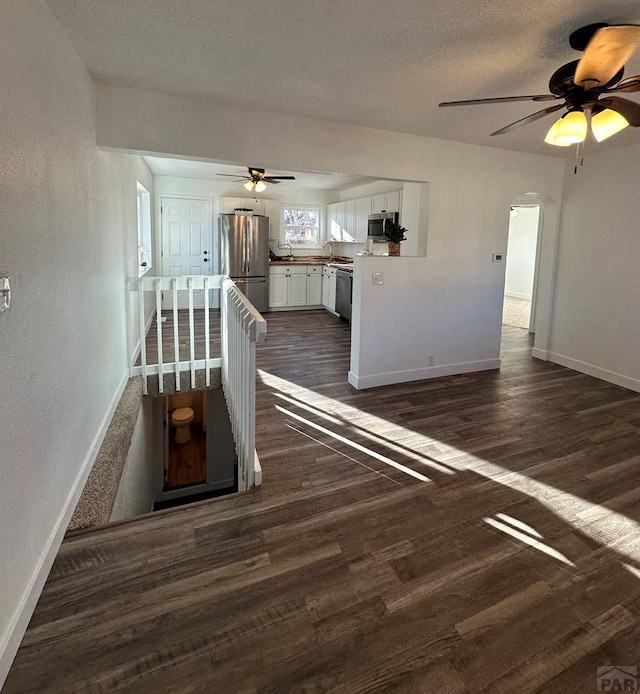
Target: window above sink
(301, 226)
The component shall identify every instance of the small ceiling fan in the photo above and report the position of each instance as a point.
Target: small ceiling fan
(584, 86)
(256, 180)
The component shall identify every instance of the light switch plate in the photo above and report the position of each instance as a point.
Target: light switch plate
(377, 278)
(5, 292)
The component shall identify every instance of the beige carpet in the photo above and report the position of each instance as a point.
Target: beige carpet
(516, 312)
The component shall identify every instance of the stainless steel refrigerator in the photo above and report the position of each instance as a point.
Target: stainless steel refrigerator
(244, 248)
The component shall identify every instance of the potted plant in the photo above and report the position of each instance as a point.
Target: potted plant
(394, 233)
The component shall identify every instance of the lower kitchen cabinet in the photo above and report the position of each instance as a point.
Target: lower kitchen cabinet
(314, 285)
(329, 288)
(297, 295)
(295, 286)
(278, 290)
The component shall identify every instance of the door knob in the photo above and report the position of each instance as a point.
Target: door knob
(205, 260)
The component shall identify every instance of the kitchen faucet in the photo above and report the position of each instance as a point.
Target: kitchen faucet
(330, 248)
(290, 249)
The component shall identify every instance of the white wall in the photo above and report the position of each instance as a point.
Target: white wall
(456, 291)
(521, 253)
(68, 237)
(596, 317)
(135, 492)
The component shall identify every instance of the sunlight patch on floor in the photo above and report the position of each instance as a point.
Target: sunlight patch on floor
(528, 540)
(344, 455)
(609, 528)
(374, 438)
(356, 446)
(518, 524)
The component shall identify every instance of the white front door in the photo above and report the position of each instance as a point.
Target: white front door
(187, 245)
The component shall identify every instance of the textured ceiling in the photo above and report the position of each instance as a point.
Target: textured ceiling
(209, 171)
(368, 62)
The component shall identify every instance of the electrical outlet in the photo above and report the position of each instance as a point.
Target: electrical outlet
(377, 278)
(429, 359)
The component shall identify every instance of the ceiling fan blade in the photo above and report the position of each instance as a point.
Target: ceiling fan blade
(608, 51)
(630, 110)
(501, 99)
(272, 179)
(267, 179)
(631, 84)
(237, 176)
(529, 119)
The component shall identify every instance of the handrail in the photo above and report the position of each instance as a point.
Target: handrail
(256, 325)
(242, 328)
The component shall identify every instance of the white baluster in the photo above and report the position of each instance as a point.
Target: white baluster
(192, 345)
(143, 339)
(207, 349)
(129, 328)
(159, 334)
(176, 337)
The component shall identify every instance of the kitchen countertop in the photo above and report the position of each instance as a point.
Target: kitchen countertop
(302, 260)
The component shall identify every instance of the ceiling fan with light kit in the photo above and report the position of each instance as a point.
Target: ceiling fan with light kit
(256, 180)
(584, 88)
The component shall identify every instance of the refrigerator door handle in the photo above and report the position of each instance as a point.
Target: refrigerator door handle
(245, 245)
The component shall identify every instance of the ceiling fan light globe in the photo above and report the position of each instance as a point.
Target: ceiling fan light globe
(572, 129)
(551, 135)
(260, 186)
(606, 123)
(249, 185)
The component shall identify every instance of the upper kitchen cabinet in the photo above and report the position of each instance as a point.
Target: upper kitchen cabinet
(349, 231)
(341, 221)
(348, 220)
(362, 210)
(386, 202)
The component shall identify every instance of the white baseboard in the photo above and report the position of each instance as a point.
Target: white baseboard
(596, 371)
(257, 474)
(147, 327)
(516, 295)
(311, 307)
(389, 378)
(27, 604)
(540, 354)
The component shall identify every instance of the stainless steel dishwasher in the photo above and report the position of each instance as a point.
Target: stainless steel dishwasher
(344, 290)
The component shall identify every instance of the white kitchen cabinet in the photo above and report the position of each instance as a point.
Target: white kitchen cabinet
(277, 290)
(295, 285)
(392, 201)
(297, 290)
(329, 288)
(387, 202)
(349, 229)
(340, 216)
(334, 233)
(362, 212)
(378, 203)
(314, 285)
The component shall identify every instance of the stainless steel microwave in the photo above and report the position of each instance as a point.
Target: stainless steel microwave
(377, 223)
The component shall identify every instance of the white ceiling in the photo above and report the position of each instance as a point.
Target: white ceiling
(368, 62)
(209, 171)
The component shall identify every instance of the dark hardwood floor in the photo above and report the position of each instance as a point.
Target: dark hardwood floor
(187, 462)
(184, 346)
(476, 533)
